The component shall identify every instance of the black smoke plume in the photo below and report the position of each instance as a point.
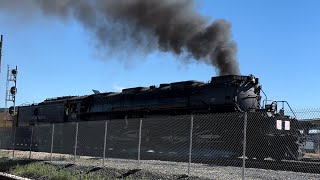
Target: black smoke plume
(169, 25)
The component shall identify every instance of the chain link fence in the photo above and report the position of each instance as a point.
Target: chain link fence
(201, 144)
(311, 122)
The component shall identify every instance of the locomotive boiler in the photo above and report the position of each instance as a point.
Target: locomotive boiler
(224, 99)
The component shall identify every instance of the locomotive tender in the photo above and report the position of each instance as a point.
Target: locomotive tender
(223, 94)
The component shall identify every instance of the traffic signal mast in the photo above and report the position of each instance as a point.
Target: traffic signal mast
(11, 91)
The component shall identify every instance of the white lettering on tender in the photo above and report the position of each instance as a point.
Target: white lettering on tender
(286, 125)
(279, 124)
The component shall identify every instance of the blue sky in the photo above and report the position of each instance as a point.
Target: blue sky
(278, 41)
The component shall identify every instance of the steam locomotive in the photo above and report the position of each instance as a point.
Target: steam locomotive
(269, 133)
(222, 94)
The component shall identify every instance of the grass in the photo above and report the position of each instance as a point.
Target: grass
(6, 165)
(36, 170)
(41, 170)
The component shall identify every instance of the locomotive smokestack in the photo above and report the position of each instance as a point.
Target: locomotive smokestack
(169, 25)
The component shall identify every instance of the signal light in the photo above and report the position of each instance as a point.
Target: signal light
(11, 110)
(14, 72)
(13, 90)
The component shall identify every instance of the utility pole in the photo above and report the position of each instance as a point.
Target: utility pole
(10, 91)
(1, 40)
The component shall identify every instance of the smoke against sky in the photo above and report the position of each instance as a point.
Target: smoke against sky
(147, 25)
(58, 51)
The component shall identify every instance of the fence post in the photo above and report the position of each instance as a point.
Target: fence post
(52, 138)
(139, 146)
(31, 139)
(105, 143)
(14, 141)
(75, 144)
(1, 142)
(318, 139)
(244, 144)
(190, 145)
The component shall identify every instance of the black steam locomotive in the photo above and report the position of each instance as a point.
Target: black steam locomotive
(222, 94)
(269, 133)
